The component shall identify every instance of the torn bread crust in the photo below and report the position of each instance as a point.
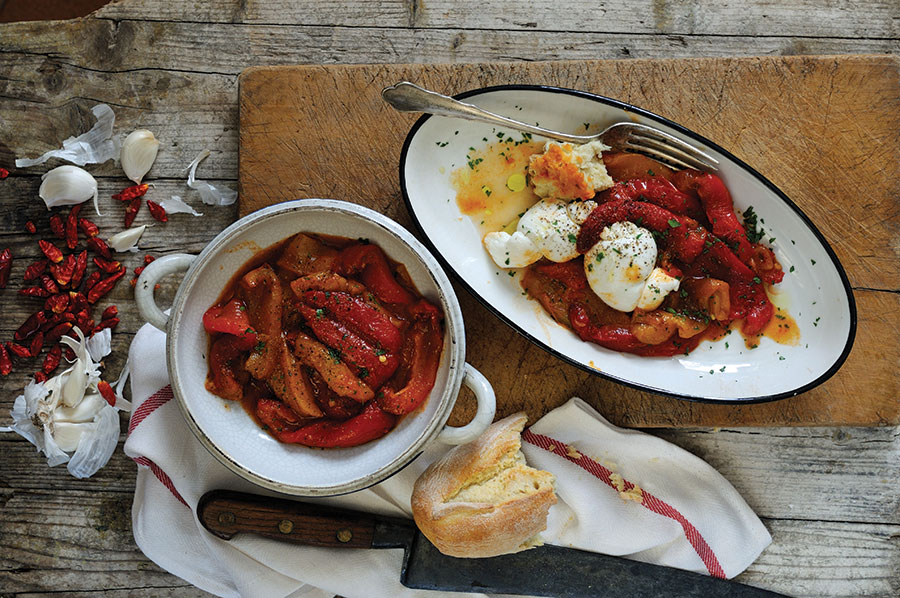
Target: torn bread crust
(482, 499)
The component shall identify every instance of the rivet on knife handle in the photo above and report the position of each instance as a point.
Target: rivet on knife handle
(226, 513)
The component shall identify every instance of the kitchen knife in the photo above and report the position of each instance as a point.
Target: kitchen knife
(543, 571)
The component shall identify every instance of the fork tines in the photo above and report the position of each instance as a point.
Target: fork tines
(668, 148)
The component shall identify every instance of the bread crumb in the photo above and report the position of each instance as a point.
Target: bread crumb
(635, 494)
(617, 482)
(571, 452)
(551, 448)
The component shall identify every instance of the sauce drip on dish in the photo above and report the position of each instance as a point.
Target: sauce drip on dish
(323, 341)
(707, 272)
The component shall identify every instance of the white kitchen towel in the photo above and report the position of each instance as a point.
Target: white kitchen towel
(620, 492)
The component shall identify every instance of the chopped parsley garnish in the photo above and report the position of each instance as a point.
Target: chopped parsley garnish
(674, 223)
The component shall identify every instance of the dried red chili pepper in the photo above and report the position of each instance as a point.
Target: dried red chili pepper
(5, 361)
(104, 286)
(63, 272)
(51, 361)
(72, 227)
(55, 333)
(106, 391)
(131, 211)
(80, 267)
(49, 284)
(30, 326)
(3, 173)
(92, 279)
(132, 192)
(5, 266)
(57, 226)
(36, 269)
(37, 292)
(37, 343)
(110, 312)
(51, 251)
(84, 321)
(18, 350)
(30, 227)
(40, 377)
(53, 320)
(99, 246)
(107, 266)
(157, 211)
(78, 302)
(138, 270)
(57, 303)
(88, 228)
(107, 323)
(148, 259)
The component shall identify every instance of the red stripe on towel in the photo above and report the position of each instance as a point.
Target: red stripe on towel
(161, 476)
(654, 504)
(154, 402)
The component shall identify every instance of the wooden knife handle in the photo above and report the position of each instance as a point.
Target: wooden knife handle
(225, 513)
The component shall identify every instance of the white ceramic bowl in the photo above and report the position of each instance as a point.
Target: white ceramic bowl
(816, 293)
(228, 431)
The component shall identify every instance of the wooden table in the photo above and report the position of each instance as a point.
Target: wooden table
(830, 496)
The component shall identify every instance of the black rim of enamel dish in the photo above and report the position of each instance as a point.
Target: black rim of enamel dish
(851, 303)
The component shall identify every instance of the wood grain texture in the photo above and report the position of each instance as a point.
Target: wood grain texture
(303, 129)
(828, 495)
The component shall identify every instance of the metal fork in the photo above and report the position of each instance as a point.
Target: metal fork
(407, 97)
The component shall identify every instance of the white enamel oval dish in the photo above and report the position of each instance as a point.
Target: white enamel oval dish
(816, 293)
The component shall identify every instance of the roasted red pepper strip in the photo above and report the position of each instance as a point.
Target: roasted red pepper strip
(337, 374)
(376, 274)
(655, 190)
(359, 316)
(157, 211)
(372, 423)
(683, 235)
(72, 227)
(374, 366)
(718, 206)
(617, 338)
(5, 266)
(232, 319)
(427, 342)
(132, 192)
(5, 361)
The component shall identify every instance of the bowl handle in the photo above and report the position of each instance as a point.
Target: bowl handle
(487, 407)
(153, 273)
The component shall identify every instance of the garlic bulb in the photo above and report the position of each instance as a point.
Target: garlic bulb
(68, 185)
(138, 154)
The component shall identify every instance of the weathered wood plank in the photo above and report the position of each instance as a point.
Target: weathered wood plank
(874, 19)
(824, 559)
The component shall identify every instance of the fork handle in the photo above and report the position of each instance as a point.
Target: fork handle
(407, 97)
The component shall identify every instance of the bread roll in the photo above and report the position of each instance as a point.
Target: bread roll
(481, 499)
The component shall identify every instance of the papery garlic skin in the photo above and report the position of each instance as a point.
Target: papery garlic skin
(138, 154)
(82, 434)
(68, 185)
(93, 147)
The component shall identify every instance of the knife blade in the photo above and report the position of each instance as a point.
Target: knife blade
(543, 571)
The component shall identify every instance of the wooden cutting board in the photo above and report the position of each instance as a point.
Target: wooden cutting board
(823, 129)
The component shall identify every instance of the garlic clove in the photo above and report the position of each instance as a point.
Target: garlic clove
(68, 185)
(84, 411)
(138, 154)
(127, 239)
(67, 434)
